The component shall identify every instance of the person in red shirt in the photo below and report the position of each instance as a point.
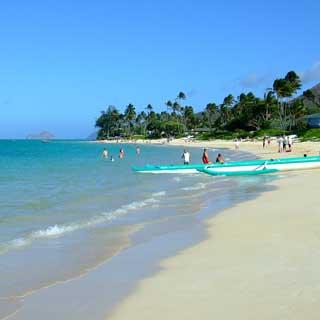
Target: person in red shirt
(205, 157)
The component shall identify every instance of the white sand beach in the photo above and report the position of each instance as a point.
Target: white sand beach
(298, 149)
(261, 258)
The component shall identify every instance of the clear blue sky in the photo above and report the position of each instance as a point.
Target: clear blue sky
(62, 62)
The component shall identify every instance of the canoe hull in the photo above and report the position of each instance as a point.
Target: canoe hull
(241, 167)
(191, 168)
(264, 166)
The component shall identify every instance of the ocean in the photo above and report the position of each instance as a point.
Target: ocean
(66, 211)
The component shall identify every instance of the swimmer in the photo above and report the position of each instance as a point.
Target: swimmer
(219, 158)
(105, 153)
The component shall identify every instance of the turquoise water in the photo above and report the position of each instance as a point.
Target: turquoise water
(54, 188)
(64, 209)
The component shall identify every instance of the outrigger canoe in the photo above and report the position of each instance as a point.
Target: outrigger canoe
(185, 168)
(262, 166)
(232, 168)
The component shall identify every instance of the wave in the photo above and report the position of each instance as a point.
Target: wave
(59, 230)
(53, 231)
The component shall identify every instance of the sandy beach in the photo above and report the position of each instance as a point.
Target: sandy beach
(260, 259)
(270, 151)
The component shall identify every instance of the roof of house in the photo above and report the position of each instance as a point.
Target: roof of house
(311, 116)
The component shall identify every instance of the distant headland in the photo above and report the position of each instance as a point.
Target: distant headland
(44, 135)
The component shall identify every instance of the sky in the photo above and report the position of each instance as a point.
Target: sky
(62, 62)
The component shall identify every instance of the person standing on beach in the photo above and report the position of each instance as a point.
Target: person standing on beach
(280, 143)
(236, 144)
(186, 156)
(290, 143)
(205, 157)
(121, 153)
(264, 142)
(105, 153)
(284, 141)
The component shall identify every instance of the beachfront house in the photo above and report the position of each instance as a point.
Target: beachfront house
(200, 130)
(312, 120)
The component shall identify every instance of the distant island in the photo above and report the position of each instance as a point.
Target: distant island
(44, 135)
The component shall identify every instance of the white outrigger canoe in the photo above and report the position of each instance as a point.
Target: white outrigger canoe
(256, 167)
(233, 168)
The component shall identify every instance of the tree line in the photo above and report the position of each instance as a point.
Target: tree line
(247, 113)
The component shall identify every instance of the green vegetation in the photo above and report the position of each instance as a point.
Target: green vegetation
(246, 116)
(310, 135)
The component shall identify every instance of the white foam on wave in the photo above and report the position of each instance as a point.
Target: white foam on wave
(123, 210)
(20, 242)
(159, 194)
(14, 244)
(53, 231)
(59, 230)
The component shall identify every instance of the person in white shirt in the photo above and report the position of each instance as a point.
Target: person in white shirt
(236, 144)
(186, 156)
(280, 142)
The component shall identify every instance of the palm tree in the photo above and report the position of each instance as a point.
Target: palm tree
(211, 110)
(130, 115)
(149, 108)
(285, 88)
(294, 81)
(189, 117)
(228, 101)
(225, 108)
(108, 122)
(270, 101)
(181, 96)
(297, 110)
(176, 108)
(169, 106)
(144, 121)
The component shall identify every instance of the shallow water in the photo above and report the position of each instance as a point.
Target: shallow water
(64, 209)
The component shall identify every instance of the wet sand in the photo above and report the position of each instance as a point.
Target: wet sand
(261, 258)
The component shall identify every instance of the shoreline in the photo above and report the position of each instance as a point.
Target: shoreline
(103, 297)
(90, 291)
(309, 148)
(259, 260)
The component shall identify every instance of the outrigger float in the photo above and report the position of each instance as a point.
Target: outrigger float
(184, 168)
(238, 168)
